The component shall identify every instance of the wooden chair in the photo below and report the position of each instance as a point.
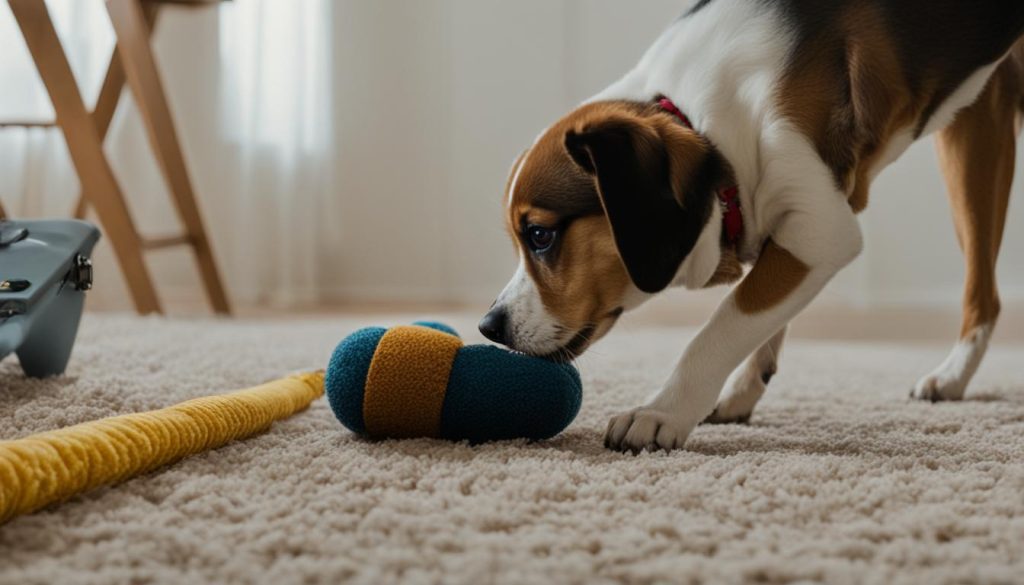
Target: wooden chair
(133, 63)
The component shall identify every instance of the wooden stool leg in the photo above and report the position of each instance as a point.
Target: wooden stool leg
(81, 207)
(106, 105)
(140, 68)
(110, 95)
(85, 148)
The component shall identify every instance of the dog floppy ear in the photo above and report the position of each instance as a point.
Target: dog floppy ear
(656, 183)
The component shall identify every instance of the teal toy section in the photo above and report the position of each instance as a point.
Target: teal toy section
(494, 394)
(346, 376)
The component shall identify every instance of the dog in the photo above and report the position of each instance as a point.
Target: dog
(740, 150)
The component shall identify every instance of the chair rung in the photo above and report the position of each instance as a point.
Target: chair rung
(166, 241)
(27, 124)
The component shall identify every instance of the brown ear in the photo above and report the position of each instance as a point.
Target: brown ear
(656, 182)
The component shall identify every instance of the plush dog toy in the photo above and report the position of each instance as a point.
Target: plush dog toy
(420, 381)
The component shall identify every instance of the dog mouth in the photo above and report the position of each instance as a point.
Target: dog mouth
(574, 348)
(578, 343)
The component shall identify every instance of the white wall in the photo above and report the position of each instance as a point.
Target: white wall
(432, 101)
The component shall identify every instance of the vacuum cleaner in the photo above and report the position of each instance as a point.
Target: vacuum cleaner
(44, 273)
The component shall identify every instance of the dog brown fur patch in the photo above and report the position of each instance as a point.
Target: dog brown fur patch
(774, 276)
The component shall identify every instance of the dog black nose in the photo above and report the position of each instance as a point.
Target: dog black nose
(493, 325)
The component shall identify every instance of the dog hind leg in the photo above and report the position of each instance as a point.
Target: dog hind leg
(748, 383)
(977, 153)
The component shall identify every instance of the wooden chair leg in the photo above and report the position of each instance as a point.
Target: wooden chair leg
(3, 212)
(140, 67)
(110, 95)
(85, 148)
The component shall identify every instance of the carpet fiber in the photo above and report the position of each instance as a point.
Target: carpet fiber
(838, 478)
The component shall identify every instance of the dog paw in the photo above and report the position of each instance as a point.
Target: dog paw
(939, 387)
(949, 380)
(645, 429)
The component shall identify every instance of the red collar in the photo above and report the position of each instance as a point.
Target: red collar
(728, 197)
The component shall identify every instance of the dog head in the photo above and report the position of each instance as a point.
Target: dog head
(605, 209)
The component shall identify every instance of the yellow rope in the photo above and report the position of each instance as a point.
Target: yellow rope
(52, 466)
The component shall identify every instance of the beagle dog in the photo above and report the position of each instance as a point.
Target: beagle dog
(748, 136)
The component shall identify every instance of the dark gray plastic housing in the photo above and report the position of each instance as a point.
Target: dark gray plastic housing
(44, 273)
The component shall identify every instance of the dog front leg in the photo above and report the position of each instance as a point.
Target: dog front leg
(779, 286)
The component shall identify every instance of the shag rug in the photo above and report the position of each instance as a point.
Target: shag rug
(838, 478)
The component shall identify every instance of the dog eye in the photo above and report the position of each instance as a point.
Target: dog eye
(540, 238)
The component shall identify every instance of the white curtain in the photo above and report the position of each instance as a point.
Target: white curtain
(276, 110)
(249, 84)
(36, 178)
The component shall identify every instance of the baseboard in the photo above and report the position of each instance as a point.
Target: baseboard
(933, 298)
(903, 315)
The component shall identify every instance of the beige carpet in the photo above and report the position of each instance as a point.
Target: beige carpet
(839, 477)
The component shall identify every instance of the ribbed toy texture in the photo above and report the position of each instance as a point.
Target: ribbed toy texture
(52, 466)
(407, 382)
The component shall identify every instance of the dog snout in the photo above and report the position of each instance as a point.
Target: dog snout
(494, 325)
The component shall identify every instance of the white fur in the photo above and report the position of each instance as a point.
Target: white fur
(531, 327)
(949, 380)
(898, 144)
